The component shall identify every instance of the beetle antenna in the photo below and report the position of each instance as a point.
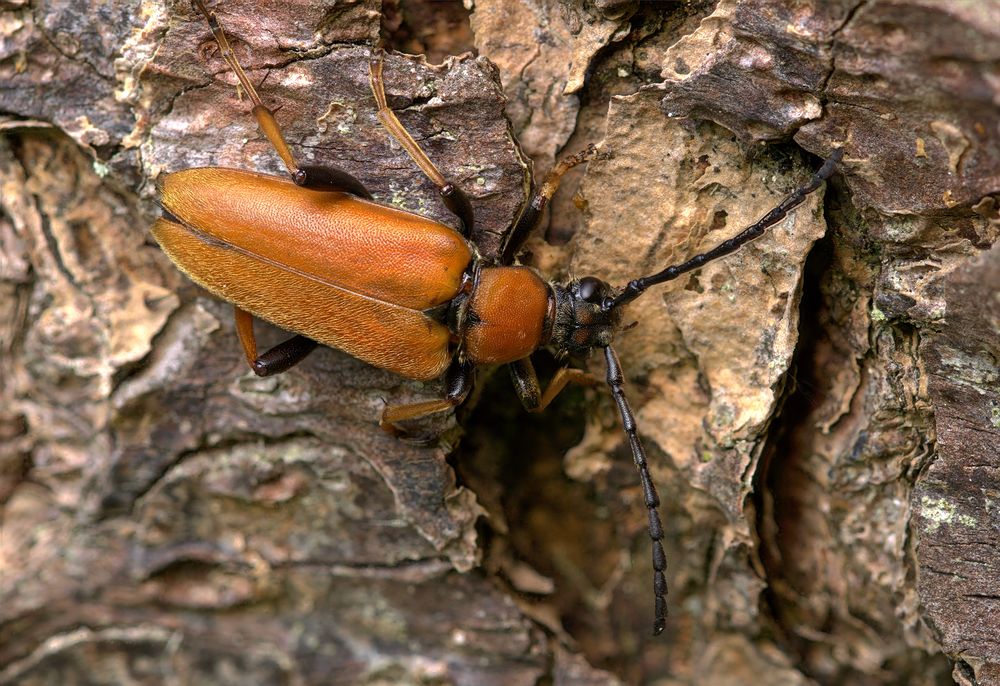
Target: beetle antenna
(636, 287)
(616, 380)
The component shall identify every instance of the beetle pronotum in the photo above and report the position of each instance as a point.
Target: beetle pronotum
(400, 291)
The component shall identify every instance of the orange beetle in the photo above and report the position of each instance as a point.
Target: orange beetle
(316, 256)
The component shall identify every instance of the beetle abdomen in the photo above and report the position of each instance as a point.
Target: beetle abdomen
(388, 254)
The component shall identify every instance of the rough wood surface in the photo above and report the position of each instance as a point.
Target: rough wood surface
(822, 409)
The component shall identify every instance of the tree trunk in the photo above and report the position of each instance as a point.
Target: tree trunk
(821, 409)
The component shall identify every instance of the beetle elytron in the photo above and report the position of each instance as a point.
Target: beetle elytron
(314, 255)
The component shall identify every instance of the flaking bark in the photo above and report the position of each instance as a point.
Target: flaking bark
(821, 409)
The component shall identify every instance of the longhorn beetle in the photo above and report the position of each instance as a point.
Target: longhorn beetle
(314, 255)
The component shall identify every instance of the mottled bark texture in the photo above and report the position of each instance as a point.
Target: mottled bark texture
(821, 409)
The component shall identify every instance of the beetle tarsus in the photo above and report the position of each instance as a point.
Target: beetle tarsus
(531, 212)
(265, 117)
(529, 390)
(452, 196)
(458, 381)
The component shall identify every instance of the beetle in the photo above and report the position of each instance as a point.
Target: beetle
(313, 254)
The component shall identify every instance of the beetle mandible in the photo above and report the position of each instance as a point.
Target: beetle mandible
(438, 308)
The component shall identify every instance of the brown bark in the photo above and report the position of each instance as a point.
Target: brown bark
(822, 409)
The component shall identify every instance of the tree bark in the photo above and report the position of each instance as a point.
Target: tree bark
(821, 409)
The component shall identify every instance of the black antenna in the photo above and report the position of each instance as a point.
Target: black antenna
(616, 380)
(636, 287)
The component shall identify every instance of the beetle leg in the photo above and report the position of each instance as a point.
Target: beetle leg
(531, 211)
(522, 373)
(265, 118)
(244, 329)
(278, 359)
(453, 197)
(329, 178)
(458, 381)
(525, 378)
(312, 177)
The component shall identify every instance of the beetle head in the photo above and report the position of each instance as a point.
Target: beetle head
(582, 322)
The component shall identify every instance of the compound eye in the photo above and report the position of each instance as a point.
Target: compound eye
(590, 289)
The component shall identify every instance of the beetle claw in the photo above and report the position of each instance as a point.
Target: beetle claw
(391, 429)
